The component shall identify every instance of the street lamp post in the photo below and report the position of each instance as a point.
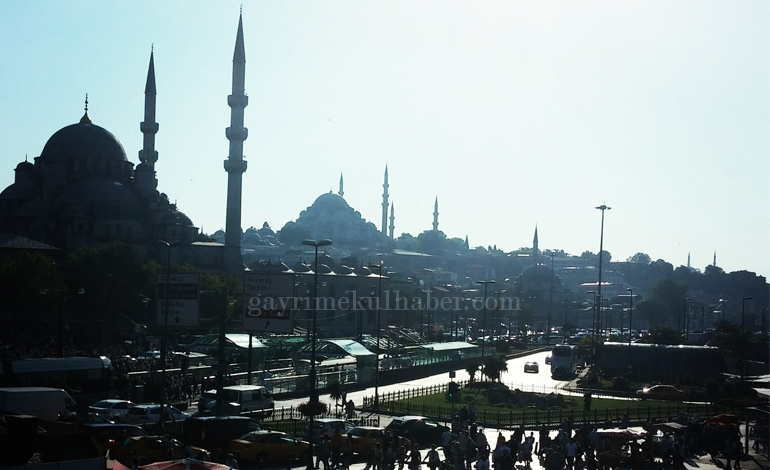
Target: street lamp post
(484, 315)
(378, 267)
(602, 208)
(630, 313)
(163, 338)
(743, 312)
(313, 392)
(686, 318)
(593, 324)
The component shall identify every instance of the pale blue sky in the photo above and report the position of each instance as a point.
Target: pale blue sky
(512, 113)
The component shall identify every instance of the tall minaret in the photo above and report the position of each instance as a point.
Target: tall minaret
(341, 193)
(435, 215)
(149, 127)
(385, 203)
(715, 258)
(144, 174)
(688, 260)
(392, 221)
(235, 165)
(535, 249)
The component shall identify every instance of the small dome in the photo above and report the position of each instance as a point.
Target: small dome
(84, 139)
(25, 166)
(183, 219)
(20, 190)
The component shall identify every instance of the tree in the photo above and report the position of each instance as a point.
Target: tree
(640, 258)
(471, 370)
(336, 392)
(23, 275)
(671, 295)
(663, 335)
(494, 366)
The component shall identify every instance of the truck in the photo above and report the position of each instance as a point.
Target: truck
(564, 361)
(42, 402)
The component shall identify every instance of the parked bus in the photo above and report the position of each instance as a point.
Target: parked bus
(86, 379)
(564, 361)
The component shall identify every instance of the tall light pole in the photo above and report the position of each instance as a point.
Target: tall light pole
(163, 338)
(484, 315)
(593, 324)
(313, 392)
(743, 312)
(630, 313)
(378, 267)
(550, 309)
(602, 208)
(686, 318)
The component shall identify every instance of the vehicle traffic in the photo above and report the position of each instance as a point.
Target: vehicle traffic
(564, 361)
(43, 402)
(418, 429)
(112, 409)
(660, 392)
(264, 447)
(531, 366)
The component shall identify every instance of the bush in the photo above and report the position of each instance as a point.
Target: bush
(321, 409)
(620, 384)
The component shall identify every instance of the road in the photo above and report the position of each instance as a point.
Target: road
(514, 378)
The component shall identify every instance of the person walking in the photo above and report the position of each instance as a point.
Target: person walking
(414, 458)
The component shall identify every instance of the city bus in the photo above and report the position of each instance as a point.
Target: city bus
(86, 379)
(564, 361)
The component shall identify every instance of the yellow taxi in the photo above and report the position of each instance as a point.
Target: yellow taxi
(263, 447)
(363, 438)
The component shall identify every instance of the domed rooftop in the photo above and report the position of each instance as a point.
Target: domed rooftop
(20, 190)
(84, 139)
(330, 201)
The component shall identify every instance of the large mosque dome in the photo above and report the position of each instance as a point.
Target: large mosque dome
(331, 217)
(84, 139)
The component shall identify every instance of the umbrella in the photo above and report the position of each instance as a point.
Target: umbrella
(185, 464)
(724, 419)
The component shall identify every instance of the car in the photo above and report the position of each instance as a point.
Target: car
(148, 416)
(112, 409)
(149, 355)
(660, 392)
(111, 436)
(153, 448)
(327, 426)
(418, 429)
(362, 438)
(265, 447)
(531, 366)
(548, 359)
(212, 432)
(90, 418)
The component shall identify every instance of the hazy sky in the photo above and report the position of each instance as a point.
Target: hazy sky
(512, 113)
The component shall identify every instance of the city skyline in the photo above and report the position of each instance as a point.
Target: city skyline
(512, 115)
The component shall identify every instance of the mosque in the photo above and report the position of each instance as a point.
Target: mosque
(83, 191)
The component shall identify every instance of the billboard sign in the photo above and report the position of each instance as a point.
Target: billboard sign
(269, 302)
(181, 292)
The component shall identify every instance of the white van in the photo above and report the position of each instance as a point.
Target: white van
(240, 399)
(43, 402)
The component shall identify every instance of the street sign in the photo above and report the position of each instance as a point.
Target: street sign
(181, 290)
(269, 302)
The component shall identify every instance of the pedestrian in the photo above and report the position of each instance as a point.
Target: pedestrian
(432, 458)
(347, 453)
(232, 461)
(336, 441)
(414, 458)
(324, 453)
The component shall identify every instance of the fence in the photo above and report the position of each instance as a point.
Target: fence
(290, 420)
(398, 403)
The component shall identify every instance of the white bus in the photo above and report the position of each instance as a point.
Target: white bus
(564, 361)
